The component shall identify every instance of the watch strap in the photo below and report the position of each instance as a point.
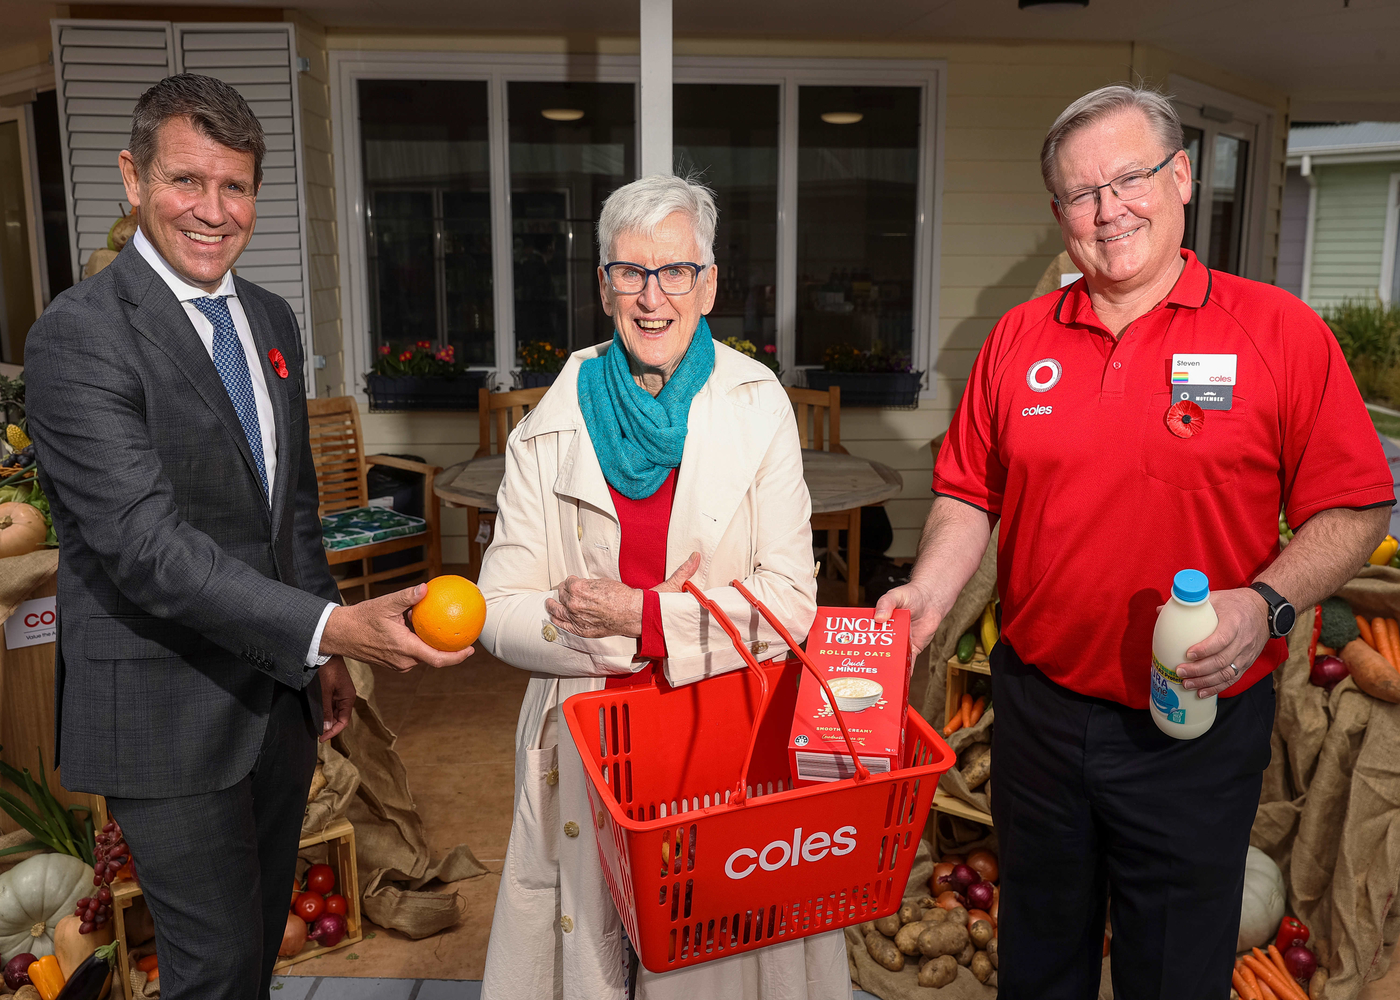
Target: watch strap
(1275, 601)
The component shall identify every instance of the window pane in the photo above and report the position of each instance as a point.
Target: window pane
(857, 201)
(562, 168)
(1193, 138)
(1227, 202)
(728, 135)
(427, 201)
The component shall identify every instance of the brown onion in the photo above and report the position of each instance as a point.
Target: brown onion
(975, 915)
(950, 900)
(294, 937)
(984, 863)
(942, 878)
(952, 859)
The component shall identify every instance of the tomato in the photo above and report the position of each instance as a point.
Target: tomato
(309, 906)
(337, 904)
(320, 878)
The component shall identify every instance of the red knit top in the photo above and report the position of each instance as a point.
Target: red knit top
(641, 557)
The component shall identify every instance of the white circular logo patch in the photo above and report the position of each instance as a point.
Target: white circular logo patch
(1043, 375)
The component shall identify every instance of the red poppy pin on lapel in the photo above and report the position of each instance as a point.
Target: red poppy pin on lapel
(1185, 419)
(278, 362)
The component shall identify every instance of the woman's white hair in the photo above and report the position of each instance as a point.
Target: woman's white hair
(1097, 105)
(644, 204)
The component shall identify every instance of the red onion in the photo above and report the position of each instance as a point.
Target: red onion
(1328, 672)
(979, 895)
(329, 929)
(17, 970)
(963, 877)
(1301, 963)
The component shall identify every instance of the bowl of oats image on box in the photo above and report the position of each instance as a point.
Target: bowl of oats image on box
(854, 694)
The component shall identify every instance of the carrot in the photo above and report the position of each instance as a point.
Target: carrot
(975, 712)
(1265, 993)
(1325, 650)
(954, 724)
(1392, 630)
(1366, 632)
(1372, 672)
(1249, 981)
(1276, 957)
(148, 963)
(1382, 636)
(1244, 991)
(1269, 977)
(966, 709)
(1285, 987)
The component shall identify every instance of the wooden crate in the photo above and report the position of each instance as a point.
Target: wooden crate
(957, 686)
(340, 840)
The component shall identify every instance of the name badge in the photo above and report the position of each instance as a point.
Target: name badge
(1208, 380)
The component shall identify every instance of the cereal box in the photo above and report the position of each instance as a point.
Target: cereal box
(867, 665)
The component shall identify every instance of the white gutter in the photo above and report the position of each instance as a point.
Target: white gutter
(1307, 172)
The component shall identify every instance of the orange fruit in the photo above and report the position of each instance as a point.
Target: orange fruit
(451, 615)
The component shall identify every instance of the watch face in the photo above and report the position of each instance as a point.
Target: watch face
(1284, 618)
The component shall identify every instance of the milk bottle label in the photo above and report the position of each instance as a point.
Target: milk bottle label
(1164, 699)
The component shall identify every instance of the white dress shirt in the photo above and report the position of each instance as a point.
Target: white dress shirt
(187, 293)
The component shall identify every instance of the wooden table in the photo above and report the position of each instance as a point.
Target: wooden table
(836, 482)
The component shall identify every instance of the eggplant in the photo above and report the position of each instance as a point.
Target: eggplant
(87, 980)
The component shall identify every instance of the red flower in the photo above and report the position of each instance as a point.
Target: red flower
(447, 354)
(406, 356)
(425, 344)
(770, 348)
(384, 350)
(278, 362)
(1185, 419)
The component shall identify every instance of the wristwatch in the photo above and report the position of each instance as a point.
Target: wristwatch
(1281, 614)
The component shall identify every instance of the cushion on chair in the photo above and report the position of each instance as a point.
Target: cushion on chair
(347, 529)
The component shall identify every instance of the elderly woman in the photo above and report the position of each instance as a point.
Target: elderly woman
(657, 458)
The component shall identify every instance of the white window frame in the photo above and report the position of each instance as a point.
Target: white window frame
(1252, 122)
(23, 117)
(1392, 234)
(347, 68)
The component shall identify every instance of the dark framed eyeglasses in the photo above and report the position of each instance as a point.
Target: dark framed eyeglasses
(1132, 186)
(678, 278)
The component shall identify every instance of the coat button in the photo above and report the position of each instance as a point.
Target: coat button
(551, 777)
(758, 648)
(549, 632)
(571, 829)
(566, 922)
(580, 532)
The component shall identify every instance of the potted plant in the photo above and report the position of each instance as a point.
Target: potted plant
(421, 378)
(877, 377)
(540, 363)
(768, 356)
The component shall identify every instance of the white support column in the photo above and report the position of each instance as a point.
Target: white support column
(656, 87)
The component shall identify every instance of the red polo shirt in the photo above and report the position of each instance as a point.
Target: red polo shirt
(1101, 504)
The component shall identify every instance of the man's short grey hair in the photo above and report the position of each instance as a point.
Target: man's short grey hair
(214, 108)
(640, 207)
(1097, 105)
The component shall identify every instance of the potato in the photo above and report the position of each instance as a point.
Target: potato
(937, 915)
(980, 932)
(907, 940)
(889, 926)
(908, 913)
(992, 951)
(965, 956)
(883, 951)
(867, 927)
(943, 939)
(977, 765)
(1317, 983)
(958, 915)
(938, 972)
(26, 993)
(981, 966)
(925, 902)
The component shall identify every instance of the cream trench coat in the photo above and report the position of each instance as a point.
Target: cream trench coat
(740, 501)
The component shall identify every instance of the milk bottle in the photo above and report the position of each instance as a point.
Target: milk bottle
(1185, 620)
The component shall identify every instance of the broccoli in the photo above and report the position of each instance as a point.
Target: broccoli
(1338, 623)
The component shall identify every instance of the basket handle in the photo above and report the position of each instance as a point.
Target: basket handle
(862, 773)
(738, 794)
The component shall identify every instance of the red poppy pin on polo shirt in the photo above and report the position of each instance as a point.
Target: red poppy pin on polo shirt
(278, 362)
(1185, 419)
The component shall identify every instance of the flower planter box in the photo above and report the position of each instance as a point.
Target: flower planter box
(533, 380)
(424, 392)
(882, 389)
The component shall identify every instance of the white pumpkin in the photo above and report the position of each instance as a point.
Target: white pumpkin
(1262, 908)
(34, 896)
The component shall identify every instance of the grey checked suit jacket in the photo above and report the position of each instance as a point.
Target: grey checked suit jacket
(182, 598)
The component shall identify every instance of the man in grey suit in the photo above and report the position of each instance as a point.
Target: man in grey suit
(201, 632)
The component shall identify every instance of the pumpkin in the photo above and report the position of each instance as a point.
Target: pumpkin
(1263, 904)
(72, 947)
(22, 529)
(34, 896)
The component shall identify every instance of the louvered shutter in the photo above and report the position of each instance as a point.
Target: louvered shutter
(101, 68)
(260, 61)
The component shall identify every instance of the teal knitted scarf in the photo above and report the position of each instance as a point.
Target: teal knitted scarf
(639, 439)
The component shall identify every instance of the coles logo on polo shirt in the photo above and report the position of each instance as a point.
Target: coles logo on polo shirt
(1043, 375)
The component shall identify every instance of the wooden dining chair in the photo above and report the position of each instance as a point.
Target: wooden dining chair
(498, 411)
(338, 452)
(819, 428)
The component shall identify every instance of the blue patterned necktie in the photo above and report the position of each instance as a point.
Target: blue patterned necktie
(232, 364)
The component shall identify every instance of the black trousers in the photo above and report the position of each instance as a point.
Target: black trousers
(217, 868)
(1092, 801)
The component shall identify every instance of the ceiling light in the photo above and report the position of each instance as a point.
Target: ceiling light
(842, 117)
(562, 114)
(1053, 4)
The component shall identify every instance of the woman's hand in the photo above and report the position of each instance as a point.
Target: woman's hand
(596, 609)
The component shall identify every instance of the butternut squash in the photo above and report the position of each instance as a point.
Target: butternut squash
(22, 529)
(72, 948)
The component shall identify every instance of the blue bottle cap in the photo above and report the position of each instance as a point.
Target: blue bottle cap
(1190, 585)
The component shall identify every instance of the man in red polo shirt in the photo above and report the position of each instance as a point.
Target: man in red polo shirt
(1153, 416)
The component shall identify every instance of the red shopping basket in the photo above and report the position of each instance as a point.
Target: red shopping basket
(706, 847)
